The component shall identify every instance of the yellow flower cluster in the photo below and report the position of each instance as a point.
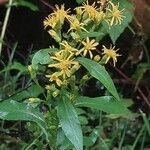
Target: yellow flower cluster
(72, 43)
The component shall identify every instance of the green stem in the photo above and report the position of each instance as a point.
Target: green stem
(5, 24)
(138, 137)
(123, 136)
(34, 142)
(146, 121)
(143, 141)
(100, 129)
(146, 52)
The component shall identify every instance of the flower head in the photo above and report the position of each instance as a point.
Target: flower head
(68, 48)
(88, 47)
(89, 10)
(56, 17)
(75, 24)
(116, 16)
(64, 64)
(110, 53)
(79, 11)
(50, 21)
(60, 13)
(99, 16)
(55, 77)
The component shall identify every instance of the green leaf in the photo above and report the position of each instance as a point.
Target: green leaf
(99, 72)
(80, 1)
(18, 66)
(69, 122)
(42, 57)
(102, 30)
(27, 4)
(91, 34)
(105, 103)
(32, 91)
(116, 30)
(83, 120)
(62, 141)
(12, 110)
(91, 139)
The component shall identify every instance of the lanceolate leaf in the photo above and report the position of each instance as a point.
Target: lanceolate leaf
(105, 103)
(12, 110)
(99, 72)
(69, 122)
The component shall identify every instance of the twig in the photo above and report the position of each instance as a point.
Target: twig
(5, 24)
(138, 89)
(124, 81)
(47, 4)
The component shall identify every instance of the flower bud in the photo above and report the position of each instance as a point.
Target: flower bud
(32, 71)
(33, 100)
(56, 93)
(97, 58)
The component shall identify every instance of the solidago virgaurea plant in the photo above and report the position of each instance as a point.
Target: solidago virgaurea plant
(60, 65)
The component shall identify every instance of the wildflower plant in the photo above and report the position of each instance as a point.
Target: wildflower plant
(61, 65)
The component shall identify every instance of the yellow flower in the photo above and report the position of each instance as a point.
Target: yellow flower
(76, 25)
(65, 64)
(99, 16)
(89, 9)
(79, 11)
(68, 48)
(92, 12)
(116, 16)
(50, 21)
(55, 77)
(88, 47)
(61, 13)
(110, 53)
(56, 17)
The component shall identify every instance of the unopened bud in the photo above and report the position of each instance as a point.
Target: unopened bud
(97, 58)
(56, 93)
(85, 77)
(32, 72)
(33, 100)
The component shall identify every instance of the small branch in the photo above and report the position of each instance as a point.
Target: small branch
(124, 81)
(132, 82)
(47, 4)
(5, 25)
